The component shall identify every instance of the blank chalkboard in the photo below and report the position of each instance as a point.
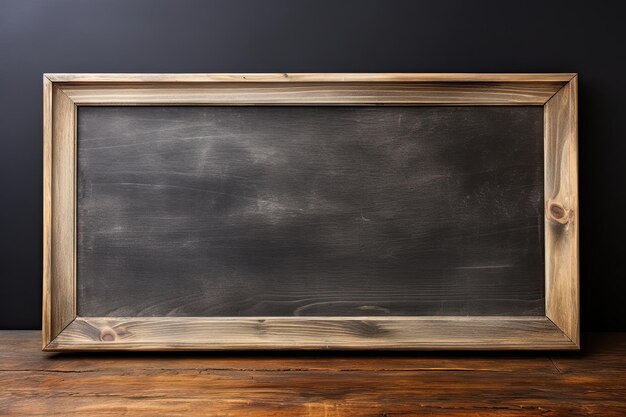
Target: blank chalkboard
(310, 211)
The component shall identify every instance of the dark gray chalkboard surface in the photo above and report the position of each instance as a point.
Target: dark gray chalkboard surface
(312, 211)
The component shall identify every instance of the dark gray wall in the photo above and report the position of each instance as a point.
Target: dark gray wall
(313, 36)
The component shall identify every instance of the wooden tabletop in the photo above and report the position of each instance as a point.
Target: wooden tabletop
(590, 382)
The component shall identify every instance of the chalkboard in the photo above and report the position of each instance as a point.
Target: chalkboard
(310, 211)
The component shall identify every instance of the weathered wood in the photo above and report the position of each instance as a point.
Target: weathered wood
(313, 93)
(316, 211)
(47, 332)
(561, 210)
(397, 333)
(18, 347)
(265, 89)
(59, 307)
(587, 383)
(312, 77)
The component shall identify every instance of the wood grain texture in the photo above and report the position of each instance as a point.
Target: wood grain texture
(561, 210)
(47, 294)
(410, 89)
(315, 211)
(20, 352)
(313, 93)
(587, 383)
(59, 307)
(313, 77)
(302, 333)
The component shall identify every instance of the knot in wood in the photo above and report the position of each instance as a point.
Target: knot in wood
(107, 334)
(558, 213)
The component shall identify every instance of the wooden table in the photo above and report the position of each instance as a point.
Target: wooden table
(591, 382)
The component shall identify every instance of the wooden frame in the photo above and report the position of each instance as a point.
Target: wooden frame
(63, 330)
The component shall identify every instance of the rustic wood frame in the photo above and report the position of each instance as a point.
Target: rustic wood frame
(63, 330)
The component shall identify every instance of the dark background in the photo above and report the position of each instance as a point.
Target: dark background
(314, 36)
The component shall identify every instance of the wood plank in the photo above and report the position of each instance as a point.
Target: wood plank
(587, 383)
(47, 327)
(59, 307)
(292, 393)
(21, 352)
(312, 93)
(561, 210)
(241, 333)
(313, 77)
